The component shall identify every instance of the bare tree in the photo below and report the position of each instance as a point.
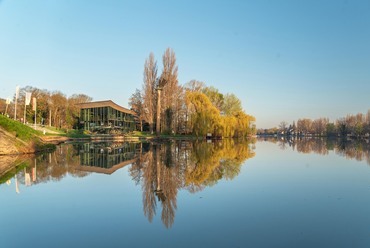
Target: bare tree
(194, 85)
(319, 126)
(136, 104)
(169, 79)
(282, 126)
(149, 86)
(58, 102)
(73, 109)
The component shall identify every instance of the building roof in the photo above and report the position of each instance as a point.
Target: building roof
(108, 171)
(107, 103)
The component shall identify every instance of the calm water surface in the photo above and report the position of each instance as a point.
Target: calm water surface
(265, 193)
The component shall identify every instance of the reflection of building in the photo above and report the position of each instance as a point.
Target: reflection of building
(106, 117)
(107, 158)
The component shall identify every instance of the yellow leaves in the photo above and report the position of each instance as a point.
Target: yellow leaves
(206, 118)
(213, 161)
(199, 100)
(205, 115)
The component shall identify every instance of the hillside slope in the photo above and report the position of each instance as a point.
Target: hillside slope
(16, 138)
(11, 145)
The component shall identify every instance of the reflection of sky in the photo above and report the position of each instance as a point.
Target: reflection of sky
(281, 198)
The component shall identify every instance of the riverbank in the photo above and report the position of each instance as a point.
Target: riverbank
(17, 138)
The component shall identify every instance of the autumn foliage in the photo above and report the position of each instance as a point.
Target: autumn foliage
(192, 108)
(206, 118)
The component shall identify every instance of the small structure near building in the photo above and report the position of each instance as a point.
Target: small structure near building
(106, 117)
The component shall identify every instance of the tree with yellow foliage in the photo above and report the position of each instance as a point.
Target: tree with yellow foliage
(205, 117)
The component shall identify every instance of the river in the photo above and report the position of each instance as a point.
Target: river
(254, 193)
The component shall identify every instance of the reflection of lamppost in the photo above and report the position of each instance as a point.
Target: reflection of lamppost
(158, 191)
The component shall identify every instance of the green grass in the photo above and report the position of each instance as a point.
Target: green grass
(26, 134)
(141, 134)
(78, 134)
(59, 131)
(20, 130)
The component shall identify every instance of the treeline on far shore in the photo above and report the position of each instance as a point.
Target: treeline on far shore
(356, 126)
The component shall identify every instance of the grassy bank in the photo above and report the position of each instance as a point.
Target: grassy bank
(77, 134)
(17, 128)
(28, 135)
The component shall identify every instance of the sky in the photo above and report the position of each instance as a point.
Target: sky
(284, 60)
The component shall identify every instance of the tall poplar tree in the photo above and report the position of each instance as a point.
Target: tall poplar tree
(148, 92)
(169, 82)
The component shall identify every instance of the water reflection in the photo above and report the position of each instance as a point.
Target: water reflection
(350, 149)
(107, 158)
(161, 169)
(167, 168)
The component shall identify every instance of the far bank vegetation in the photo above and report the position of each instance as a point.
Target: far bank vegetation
(356, 126)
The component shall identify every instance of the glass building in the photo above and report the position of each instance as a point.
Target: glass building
(106, 117)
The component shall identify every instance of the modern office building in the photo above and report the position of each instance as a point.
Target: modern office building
(106, 117)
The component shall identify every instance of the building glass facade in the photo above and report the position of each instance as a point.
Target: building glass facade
(106, 117)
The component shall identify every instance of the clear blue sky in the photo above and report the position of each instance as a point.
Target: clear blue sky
(284, 59)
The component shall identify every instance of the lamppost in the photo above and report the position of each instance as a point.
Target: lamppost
(158, 124)
(162, 82)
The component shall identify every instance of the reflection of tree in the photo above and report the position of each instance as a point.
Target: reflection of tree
(160, 180)
(162, 169)
(303, 145)
(54, 166)
(351, 149)
(167, 183)
(171, 166)
(214, 161)
(149, 177)
(66, 160)
(359, 150)
(317, 145)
